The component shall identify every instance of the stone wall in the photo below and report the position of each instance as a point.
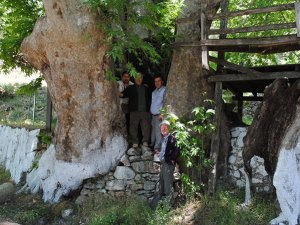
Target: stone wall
(137, 173)
(260, 180)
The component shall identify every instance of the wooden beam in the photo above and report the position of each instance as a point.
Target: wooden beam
(215, 143)
(233, 66)
(269, 9)
(297, 8)
(240, 105)
(248, 77)
(253, 29)
(256, 45)
(267, 41)
(249, 98)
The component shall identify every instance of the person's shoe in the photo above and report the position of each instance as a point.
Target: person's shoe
(145, 144)
(135, 145)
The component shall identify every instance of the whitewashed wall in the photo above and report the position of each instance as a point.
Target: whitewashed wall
(17, 150)
(54, 177)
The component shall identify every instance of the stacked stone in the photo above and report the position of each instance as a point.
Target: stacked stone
(260, 178)
(136, 173)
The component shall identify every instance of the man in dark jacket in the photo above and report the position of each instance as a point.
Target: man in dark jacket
(168, 156)
(139, 106)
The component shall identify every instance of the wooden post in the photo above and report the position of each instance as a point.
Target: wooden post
(204, 53)
(223, 25)
(240, 106)
(297, 8)
(49, 112)
(215, 144)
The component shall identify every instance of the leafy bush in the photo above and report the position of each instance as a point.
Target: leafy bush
(191, 136)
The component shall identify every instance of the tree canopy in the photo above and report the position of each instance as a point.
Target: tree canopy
(139, 31)
(251, 59)
(17, 19)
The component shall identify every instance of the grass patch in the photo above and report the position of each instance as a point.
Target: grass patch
(4, 175)
(24, 209)
(225, 208)
(103, 210)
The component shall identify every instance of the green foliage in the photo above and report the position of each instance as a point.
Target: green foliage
(125, 22)
(45, 137)
(31, 88)
(17, 19)
(4, 175)
(191, 136)
(161, 215)
(253, 59)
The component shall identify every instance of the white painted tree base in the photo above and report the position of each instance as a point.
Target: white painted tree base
(57, 178)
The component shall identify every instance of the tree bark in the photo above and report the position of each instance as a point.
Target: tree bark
(66, 47)
(271, 122)
(187, 85)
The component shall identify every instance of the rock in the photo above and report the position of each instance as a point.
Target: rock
(80, 200)
(145, 167)
(138, 177)
(67, 213)
(123, 172)
(115, 185)
(147, 157)
(237, 174)
(256, 181)
(134, 158)
(240, 183)
(232, 159)
(100, 184)
(135, 187)
(103, 191)
(7, 191)
(156, 158)
(149, 185)
(119, 194)
(90, 186)
(125, 160)
(146, 150)
(133, 152)
(86, 192)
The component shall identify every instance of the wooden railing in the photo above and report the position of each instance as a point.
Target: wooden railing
(271, 9)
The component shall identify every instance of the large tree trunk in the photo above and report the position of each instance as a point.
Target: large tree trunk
(66, 47)
(187, 84)
(274, 136)
(186, 81)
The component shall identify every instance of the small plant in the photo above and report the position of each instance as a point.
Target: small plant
(191, 136)
(45, 138)
(161, 215)
(4, 175)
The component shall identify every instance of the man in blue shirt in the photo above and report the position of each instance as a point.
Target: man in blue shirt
(157, 103)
